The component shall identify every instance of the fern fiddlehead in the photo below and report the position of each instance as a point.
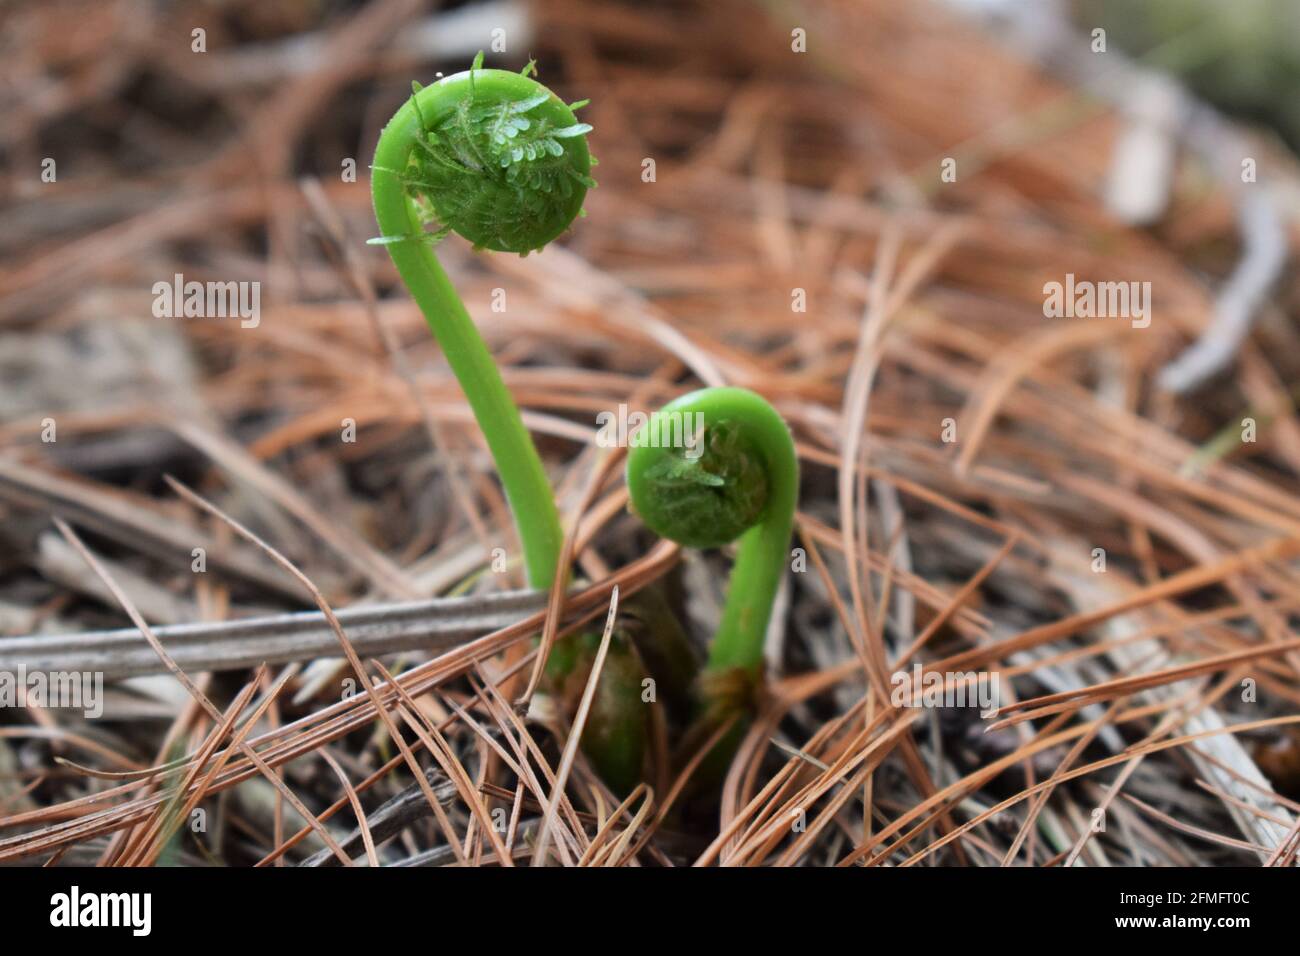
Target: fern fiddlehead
(499, 159)
(738, 481)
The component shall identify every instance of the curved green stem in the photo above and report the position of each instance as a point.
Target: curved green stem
(739, 478)
(476, 151)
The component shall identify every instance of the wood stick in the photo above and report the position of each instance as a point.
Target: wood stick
(275, 639)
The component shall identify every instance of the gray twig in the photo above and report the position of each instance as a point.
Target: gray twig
(392, 817)
(277, 639)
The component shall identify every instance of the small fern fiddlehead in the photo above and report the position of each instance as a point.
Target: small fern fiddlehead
(499, 159)
(739, 480)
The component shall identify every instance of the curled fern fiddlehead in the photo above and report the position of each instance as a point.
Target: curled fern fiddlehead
(498, 158)
(738, 481)
(502, 162)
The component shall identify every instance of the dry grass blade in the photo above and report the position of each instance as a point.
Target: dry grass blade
(381, 708)
(575, 735)
(362, 824)
(187, 683)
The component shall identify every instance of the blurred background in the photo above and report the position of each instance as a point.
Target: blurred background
(818, 200)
